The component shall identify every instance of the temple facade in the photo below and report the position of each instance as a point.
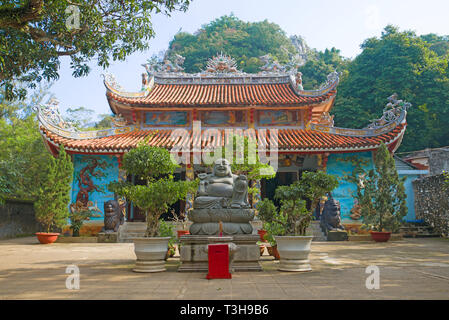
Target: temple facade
(191, 114)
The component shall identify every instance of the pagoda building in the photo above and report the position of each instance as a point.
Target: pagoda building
(189, 113)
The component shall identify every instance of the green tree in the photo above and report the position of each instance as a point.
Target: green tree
(105, 122)
(23, 151)
(243, 41)
(293, 215)
(404, 63)
(51, 207)
(320, 64)
(382, 194)
(35, 34)
(154, 166)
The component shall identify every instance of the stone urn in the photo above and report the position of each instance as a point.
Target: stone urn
(294, 252)
(150, 253)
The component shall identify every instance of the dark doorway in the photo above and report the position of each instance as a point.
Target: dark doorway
(268, 186)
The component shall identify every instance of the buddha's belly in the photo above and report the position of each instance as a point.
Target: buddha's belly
(219, 190)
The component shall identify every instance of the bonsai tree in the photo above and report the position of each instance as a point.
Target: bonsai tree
(155, 167)
(267, 210)
(381, 194)
(293, 217)
(51, 207)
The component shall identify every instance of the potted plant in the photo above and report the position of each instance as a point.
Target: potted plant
(51, 207)
(293, 218)
(381, 196)
(266, 212)
(274, 226)
(155, 167)
(181, 220)
(166, 230)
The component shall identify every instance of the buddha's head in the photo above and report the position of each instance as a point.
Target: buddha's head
(222, 168)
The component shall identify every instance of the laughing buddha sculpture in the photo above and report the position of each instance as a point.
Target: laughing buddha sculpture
(222, 197)
(222, 189)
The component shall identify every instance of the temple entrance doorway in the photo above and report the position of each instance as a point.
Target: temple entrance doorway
(290, 170)
(268, 186)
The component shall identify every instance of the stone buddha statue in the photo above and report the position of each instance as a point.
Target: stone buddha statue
(222, 199)
(222, 189)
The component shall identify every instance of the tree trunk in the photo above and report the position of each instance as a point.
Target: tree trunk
(152, 225)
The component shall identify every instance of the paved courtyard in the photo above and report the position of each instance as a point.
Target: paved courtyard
(409, 269)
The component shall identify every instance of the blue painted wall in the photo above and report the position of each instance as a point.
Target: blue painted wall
(410, 195)
(341, 165)
(103, 169)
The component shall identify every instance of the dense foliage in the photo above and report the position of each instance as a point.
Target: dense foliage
(414, 67)
(35, 34)
(23, 154)
(51, 207)
(155, 166)
(381, 194)
(293, 218)
(243, 41)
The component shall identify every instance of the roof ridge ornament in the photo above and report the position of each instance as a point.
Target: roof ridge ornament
(331, 78)
(331, 83)
(112, 81)
(49, 114)
(391, 112)
(222, 63)
(270, 64)
(173, 65)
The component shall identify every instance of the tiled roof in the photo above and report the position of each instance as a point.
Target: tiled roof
(189, 95)
(299, 140)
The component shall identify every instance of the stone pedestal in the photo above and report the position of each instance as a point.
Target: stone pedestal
(194, 257)
(337, 235)
(234, 221)
(107, 237)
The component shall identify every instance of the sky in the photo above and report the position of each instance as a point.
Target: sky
(343, 24)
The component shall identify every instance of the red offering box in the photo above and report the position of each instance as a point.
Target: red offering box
(218, 255)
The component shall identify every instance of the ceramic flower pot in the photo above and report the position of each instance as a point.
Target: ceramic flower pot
(150, 253)
(47, 238)
(262, 233)
(182, 233)
(273, 251)
(380, 236)
(294, 252)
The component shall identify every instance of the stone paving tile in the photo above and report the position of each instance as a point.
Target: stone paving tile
(409, 269)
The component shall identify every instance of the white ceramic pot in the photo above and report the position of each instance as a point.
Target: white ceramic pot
(294, 252)
(150, 253)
